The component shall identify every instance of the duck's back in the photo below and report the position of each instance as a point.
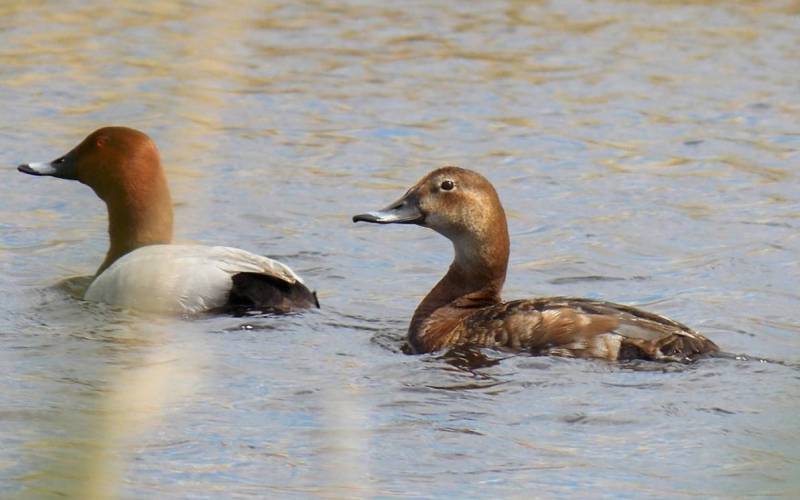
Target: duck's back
(185, 278)
(576, 327)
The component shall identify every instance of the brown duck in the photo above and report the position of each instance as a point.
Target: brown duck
(465, 307)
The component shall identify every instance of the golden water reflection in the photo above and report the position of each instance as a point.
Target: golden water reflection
(651, 144)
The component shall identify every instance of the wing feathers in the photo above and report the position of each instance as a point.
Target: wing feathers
(580, 328)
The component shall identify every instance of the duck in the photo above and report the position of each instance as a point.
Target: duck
(465, 308)
(143, 269)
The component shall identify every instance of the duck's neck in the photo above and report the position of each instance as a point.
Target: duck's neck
(475, 278)
(138, 218)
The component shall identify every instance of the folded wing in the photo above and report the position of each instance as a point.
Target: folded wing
(577, 327)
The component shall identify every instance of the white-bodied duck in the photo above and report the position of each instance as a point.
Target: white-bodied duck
(142, 270)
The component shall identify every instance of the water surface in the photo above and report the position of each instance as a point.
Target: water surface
(646, 153)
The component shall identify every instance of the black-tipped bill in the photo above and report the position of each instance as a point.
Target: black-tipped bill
(403, 211)
(61, 168)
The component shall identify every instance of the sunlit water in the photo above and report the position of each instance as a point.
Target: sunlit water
(646, 153)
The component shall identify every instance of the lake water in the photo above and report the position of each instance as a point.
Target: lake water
(646, 153)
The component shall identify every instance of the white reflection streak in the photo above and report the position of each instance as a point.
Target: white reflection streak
(134, 404)
(346, 450)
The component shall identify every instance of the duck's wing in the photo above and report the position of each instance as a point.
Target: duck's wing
(236, 260)
(579, 327)
(181, 278)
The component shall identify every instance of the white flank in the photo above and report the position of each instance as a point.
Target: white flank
(179, 278)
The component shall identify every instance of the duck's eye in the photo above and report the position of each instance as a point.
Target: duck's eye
(447, 185)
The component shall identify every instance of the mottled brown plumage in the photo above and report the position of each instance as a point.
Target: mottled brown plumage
(465, 307)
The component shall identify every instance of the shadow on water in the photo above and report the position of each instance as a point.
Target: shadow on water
(74, 287)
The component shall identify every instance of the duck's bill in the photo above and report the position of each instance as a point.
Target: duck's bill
(60, 168)
(404, 211)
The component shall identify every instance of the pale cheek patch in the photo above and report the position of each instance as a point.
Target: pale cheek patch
(435, 221)
(475, 215)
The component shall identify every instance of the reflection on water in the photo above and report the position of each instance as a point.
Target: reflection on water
(646, 152)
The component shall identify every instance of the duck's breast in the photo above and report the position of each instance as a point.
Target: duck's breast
(179, 278)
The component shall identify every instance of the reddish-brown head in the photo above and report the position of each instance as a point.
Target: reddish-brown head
(463, 206)
(115, 161)
(123, 168)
